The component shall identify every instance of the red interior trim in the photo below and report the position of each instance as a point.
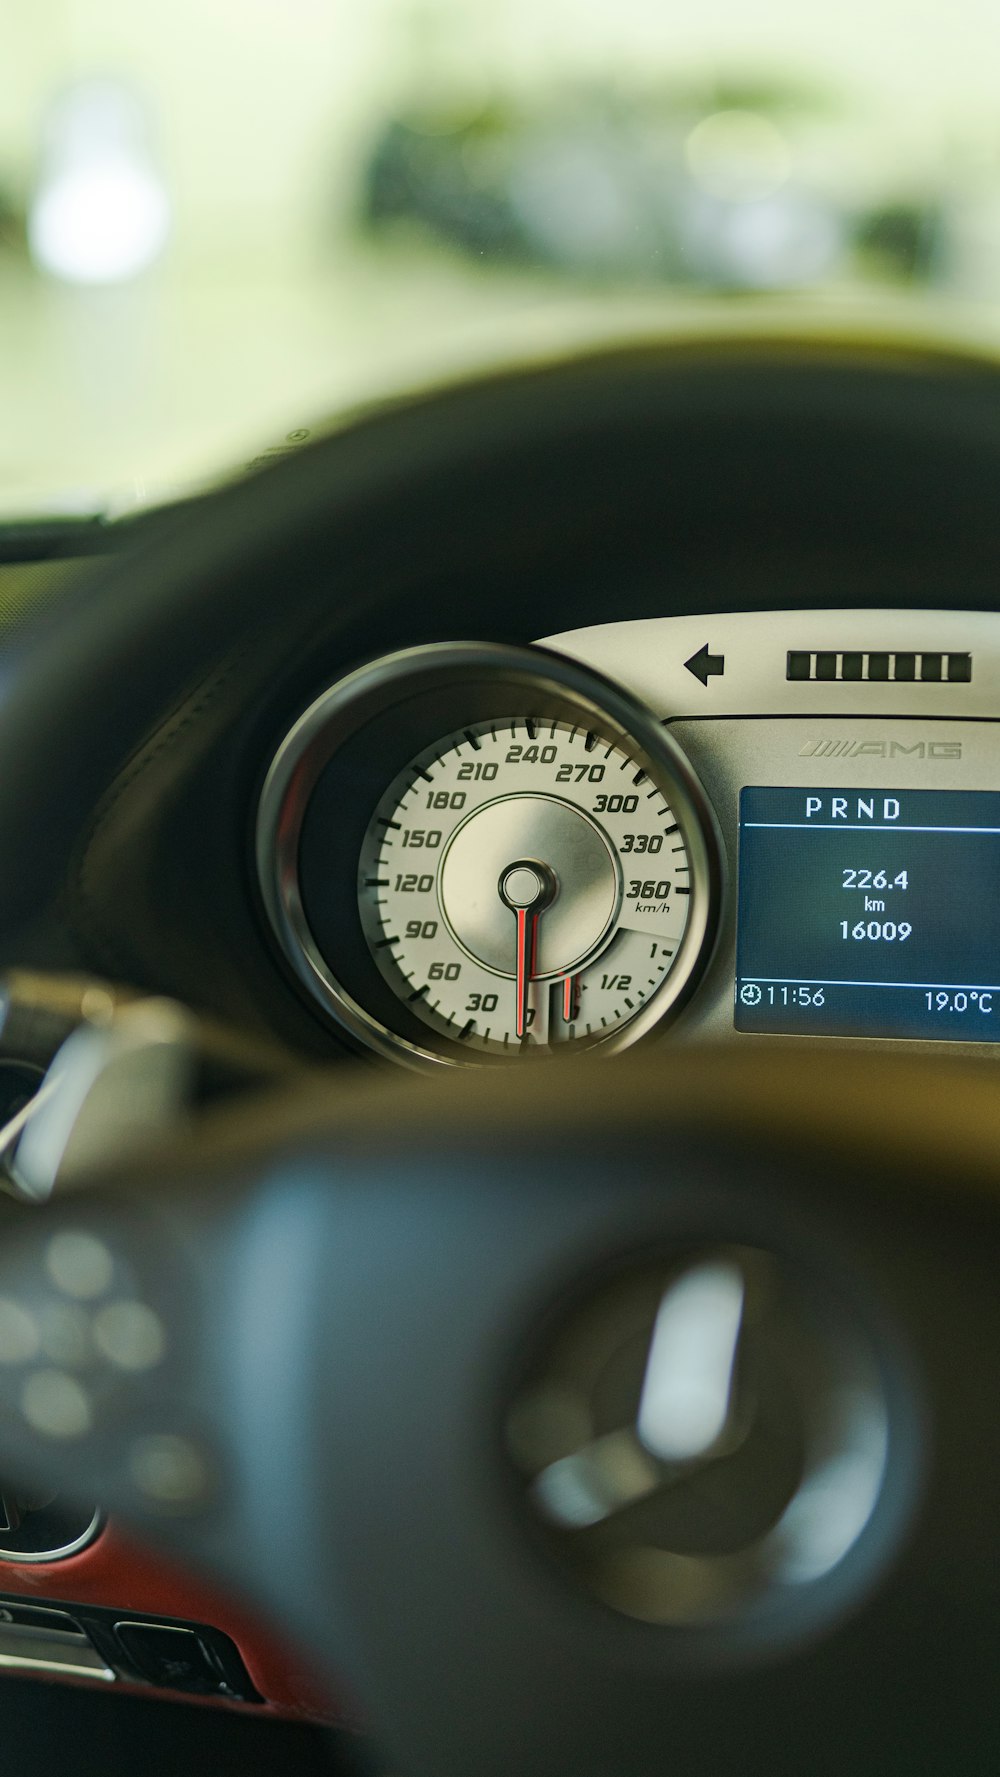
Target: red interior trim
(122, 1575)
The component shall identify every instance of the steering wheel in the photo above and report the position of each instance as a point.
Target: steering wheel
(586, 1419)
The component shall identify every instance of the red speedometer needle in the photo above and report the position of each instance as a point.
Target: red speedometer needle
(527, 933)
(526, 887)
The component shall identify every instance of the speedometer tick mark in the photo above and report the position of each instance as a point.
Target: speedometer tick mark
(589, 741)
(382, 822)
(376, 882)
(419, 993)
(639, 778)
(531, 725)
(472, 739)
(668, 830)
(383, 942)
(466, 1030)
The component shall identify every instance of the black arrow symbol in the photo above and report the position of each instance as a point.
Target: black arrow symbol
(706, 666)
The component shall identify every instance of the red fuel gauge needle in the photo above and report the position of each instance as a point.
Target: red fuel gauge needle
(526, 887)
(571, 997)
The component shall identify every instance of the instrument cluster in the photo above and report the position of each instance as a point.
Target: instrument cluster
(771, 825)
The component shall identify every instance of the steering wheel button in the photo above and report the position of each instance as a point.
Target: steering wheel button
(176, 1659)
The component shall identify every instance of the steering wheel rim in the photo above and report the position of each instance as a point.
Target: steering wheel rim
(527, 460)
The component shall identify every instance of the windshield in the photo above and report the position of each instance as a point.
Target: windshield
(221, 224)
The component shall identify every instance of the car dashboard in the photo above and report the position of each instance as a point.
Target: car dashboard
(801, 844)
(675, 676)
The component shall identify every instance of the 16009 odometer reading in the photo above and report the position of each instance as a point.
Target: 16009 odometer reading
(870, 913)
(524, 884)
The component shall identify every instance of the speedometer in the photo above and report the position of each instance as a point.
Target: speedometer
(523, 884)
(473, 852)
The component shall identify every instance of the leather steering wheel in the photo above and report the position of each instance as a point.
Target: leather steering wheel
(586, 1421)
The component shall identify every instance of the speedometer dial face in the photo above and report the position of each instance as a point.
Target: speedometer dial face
(473, 852)
(525, 884)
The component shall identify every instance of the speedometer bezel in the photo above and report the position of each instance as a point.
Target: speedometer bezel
(427, 686)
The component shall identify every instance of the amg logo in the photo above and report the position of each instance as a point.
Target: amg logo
(881, 749)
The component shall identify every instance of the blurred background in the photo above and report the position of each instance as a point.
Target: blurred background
(223, 221)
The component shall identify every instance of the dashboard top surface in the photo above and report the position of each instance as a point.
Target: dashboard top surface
(800, 663)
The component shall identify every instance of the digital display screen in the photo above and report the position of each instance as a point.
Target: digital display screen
(870, 913)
